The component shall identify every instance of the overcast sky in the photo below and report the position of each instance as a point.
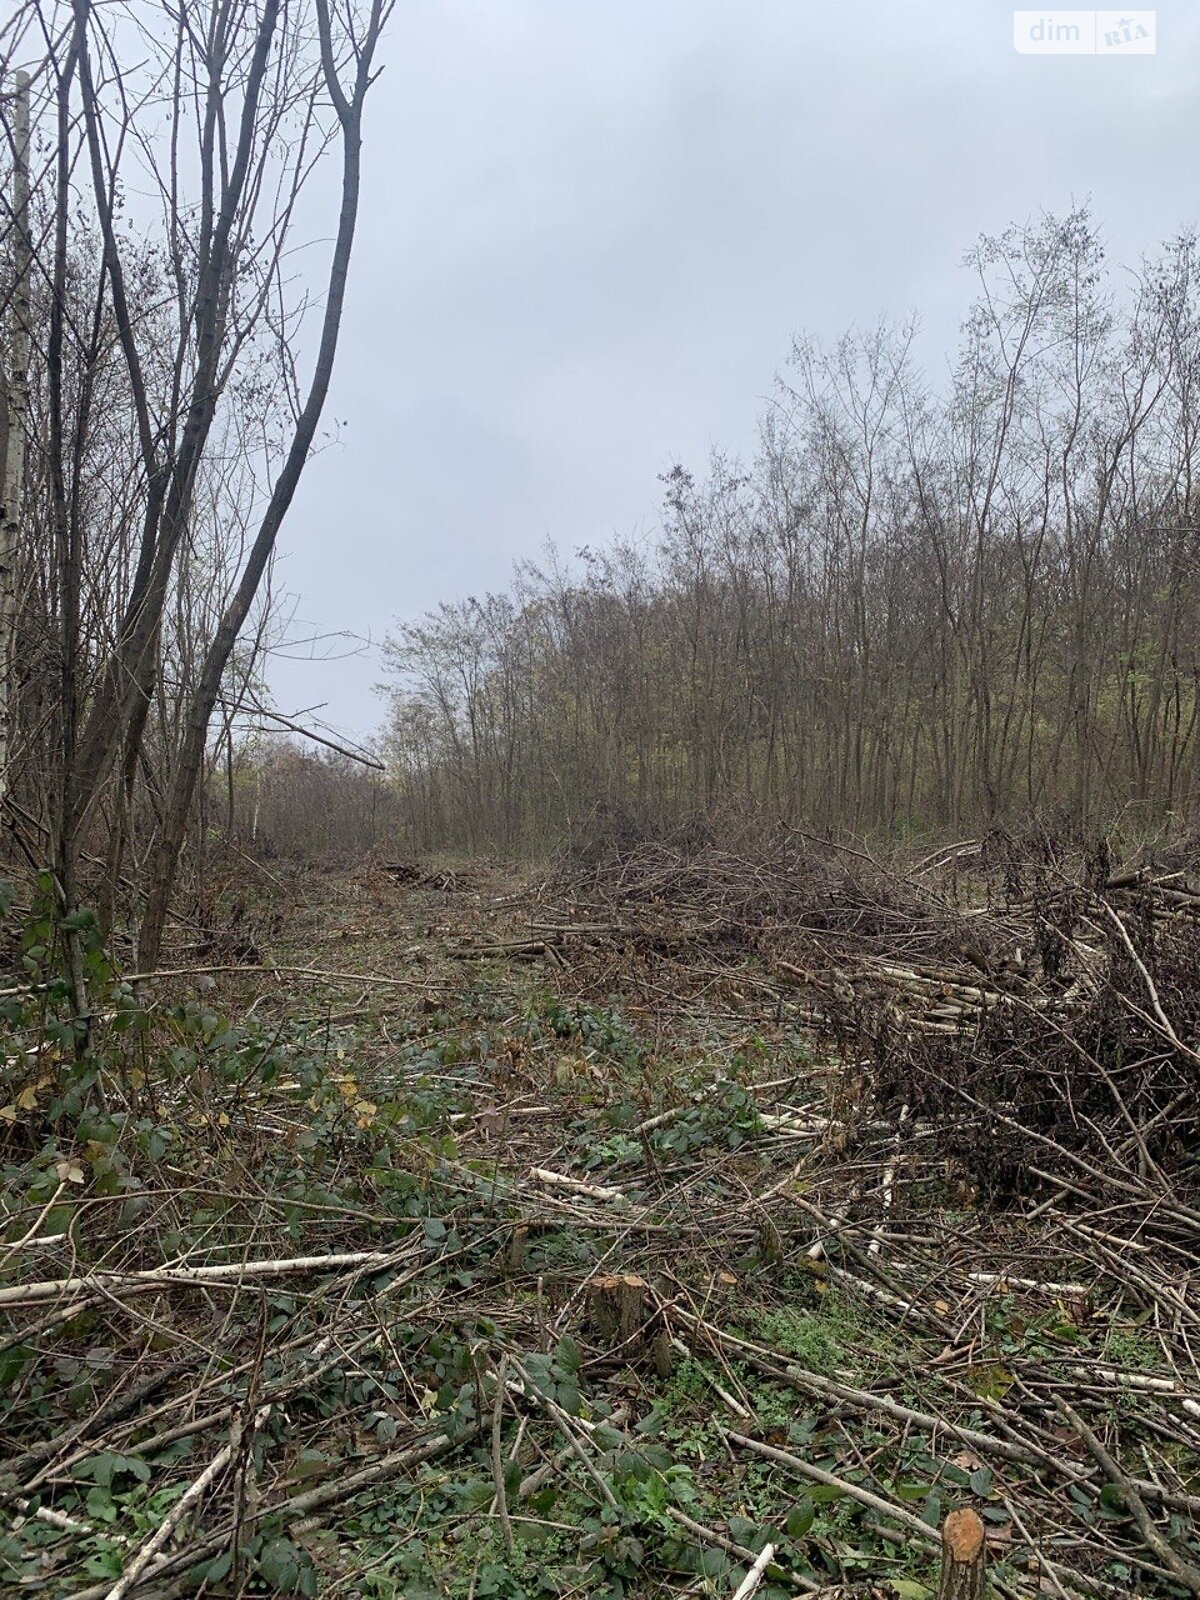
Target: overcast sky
(590, 229)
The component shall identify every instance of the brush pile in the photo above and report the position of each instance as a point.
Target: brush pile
(1036, 1007)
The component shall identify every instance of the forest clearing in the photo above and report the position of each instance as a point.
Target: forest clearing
(588, 1234)
(587, 1013)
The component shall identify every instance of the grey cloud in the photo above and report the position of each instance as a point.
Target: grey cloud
(591, 229)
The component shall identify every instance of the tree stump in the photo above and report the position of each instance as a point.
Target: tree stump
(964, 1553)
(618, 1309)
(622, 1314)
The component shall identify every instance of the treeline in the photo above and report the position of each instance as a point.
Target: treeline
(922, 607)
(280, 797)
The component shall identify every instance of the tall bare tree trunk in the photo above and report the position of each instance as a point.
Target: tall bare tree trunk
(173, 828)
(16, 385)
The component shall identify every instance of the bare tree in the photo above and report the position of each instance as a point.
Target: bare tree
(13, 403)
(174, 418)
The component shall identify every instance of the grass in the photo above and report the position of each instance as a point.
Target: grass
(828, 1334)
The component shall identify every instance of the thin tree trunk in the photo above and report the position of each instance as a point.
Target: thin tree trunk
(173, 828)
(12, 464)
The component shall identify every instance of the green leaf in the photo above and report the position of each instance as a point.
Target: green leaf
(102, 1469)
(156, 1145)
(568, 1357)
(12, 1361)
(475, 1495)
(98, 1468)
(910, 1491)
(747, 1533)
(800, 1519)
(106, 1564)
(99, 1504)
(287, 1568)
(212, 1571)
(714, 1564)
(568, 1397)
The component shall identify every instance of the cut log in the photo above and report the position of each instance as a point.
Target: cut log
(964, 1554)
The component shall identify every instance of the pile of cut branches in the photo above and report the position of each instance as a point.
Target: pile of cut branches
(489, 1286)
(1036, 1005)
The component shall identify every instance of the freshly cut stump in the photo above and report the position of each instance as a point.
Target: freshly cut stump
(618, 1309)
(964, 1557)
